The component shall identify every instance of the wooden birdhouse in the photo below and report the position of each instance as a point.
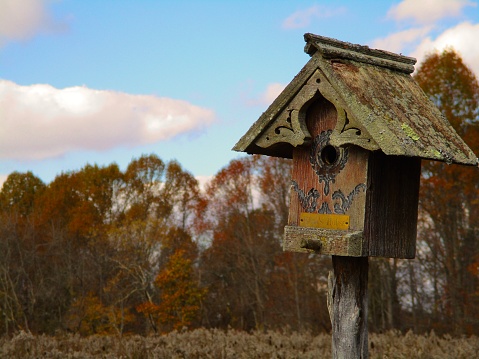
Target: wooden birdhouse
(356, 125)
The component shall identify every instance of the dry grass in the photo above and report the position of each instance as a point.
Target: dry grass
(203, 343)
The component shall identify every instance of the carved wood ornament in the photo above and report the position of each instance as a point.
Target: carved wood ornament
(327, 161)
(290, 127)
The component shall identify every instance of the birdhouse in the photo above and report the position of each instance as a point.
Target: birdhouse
(356, 125)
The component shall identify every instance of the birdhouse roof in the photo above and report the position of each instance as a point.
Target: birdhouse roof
(380, 107)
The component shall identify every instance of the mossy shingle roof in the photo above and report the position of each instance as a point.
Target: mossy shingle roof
(379, 104)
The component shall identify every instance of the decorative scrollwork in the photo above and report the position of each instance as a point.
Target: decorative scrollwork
(351, 131)
(308, 201)
(345, 202)
(325, 209)
(288, 127)
(327, 160)
(350, 127)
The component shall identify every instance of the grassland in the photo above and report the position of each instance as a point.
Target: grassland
(203, 343)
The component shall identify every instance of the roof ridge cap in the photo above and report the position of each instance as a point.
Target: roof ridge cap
(332, 48)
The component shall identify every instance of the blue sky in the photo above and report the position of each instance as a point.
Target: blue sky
(102, 81)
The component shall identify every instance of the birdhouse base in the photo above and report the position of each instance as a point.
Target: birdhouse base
(345, 243)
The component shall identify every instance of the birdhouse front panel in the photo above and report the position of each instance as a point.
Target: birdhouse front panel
(328, 191)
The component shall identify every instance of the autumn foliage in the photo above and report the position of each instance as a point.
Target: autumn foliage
(450, 197)
(144, 250)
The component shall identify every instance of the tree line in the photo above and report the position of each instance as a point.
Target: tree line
(109, 251)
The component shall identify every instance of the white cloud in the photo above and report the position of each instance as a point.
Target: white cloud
(22, 19)
(461, 38)
(3, 178)
(428, 11)
(303, 18)
(272, 91)
(267, 97)
(40, 121)
(398, 41)
(203, 182)
(419, 41)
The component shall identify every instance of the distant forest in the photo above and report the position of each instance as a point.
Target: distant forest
(106, 251)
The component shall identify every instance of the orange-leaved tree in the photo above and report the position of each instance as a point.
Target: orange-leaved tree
(180, 295)
(19, 277)
(158, 201)
(449, 199)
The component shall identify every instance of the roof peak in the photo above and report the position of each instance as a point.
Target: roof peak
(332, 48)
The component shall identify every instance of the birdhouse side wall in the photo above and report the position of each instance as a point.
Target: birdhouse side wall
(392, 206)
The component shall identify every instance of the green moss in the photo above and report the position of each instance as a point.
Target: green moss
(437, 154)
(410, 132)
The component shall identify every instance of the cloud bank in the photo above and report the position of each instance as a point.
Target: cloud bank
(398, 41)
(3, 178)
(40, 121)
(269, 95)
(426, 12)
(461, 37)
(265, 98)
(426, 37)
(22, 19)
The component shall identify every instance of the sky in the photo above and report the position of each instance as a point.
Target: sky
(103, 81)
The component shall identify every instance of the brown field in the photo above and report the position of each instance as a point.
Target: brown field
(203, 343)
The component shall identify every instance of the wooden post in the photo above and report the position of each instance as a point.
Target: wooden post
(348, 307)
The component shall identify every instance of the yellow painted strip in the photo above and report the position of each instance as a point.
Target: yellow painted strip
(329, 221)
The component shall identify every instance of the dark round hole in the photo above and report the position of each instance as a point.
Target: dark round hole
(329, 155)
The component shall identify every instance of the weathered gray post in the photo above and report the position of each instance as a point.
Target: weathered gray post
(348, 307)
(356, 125)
